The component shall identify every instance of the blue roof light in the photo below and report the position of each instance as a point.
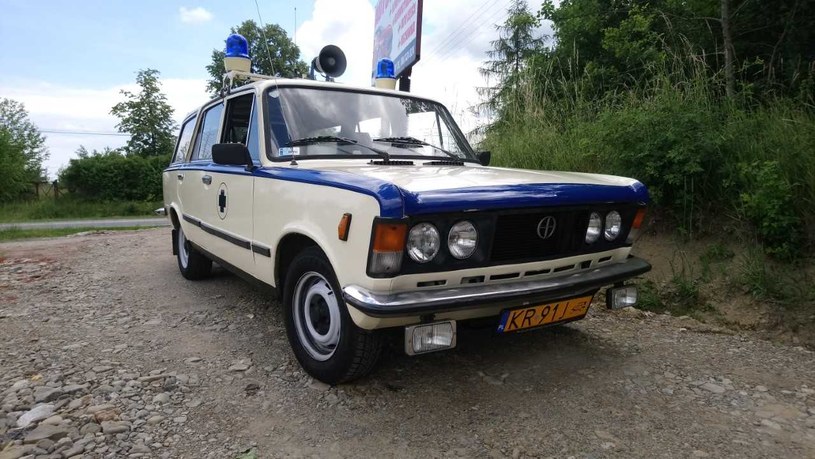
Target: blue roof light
(384, 68)
(237, 46)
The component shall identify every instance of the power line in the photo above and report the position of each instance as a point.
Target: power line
(498, 17)
(461, 26)
(487, 17)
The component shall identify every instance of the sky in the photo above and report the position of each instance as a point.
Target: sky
(68, 61)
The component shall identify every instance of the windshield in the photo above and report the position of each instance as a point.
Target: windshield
(303, 122)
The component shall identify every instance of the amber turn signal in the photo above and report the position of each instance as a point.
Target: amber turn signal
(638, 218)
(344, 227)
(389, 237)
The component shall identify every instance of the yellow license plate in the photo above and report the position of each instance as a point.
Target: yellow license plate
(538, 316)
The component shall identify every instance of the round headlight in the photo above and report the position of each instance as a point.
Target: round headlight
(423, 242)
(613, 225)
(595, 227)
(462, 240)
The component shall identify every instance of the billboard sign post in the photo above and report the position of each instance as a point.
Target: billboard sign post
(398, 34)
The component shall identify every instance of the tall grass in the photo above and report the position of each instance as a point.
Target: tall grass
(699, 154)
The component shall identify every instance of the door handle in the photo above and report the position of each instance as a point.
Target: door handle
(180, 176)
(207, 180)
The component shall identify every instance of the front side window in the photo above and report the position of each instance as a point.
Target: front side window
(302, 119)
(241, 124)
(208, 135)
(183, 146)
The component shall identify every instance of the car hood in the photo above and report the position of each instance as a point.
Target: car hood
(419, 179)
(431, 189)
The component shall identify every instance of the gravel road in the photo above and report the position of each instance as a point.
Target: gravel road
(105, 351)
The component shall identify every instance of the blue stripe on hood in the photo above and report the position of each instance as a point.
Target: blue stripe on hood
(516, 196)
(395, 202)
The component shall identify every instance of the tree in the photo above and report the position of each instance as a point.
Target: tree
(22, 150)
(147, 117)
(270, 41)
(511, 51)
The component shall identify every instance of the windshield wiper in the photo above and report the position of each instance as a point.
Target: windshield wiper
(412, 141)
(321, 139)
(338, 140)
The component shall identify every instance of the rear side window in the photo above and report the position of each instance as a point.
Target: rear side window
(208, 136)
(183, 146)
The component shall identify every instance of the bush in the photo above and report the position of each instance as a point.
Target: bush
(699, 156)
(110, 176)
(767, 201)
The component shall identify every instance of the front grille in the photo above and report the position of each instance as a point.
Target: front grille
(517, 236)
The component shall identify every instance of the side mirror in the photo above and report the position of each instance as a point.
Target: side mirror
(484, 157)
(232, 154)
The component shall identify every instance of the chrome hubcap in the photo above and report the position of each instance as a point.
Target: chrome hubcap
(316, 316)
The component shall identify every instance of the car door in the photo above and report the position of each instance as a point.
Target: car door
(173, 176)
(232, 186)
(195, 194)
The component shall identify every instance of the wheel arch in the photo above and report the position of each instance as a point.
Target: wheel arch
(287, 249)
(174, 217)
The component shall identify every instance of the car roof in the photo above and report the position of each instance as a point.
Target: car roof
(303, 82)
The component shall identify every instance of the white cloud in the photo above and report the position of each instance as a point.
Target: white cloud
(195, 15)
(60, 108)
(347, 24)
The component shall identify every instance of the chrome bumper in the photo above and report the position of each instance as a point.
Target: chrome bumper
(509, 295)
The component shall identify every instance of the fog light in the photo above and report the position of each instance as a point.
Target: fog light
(621, 297)
(420, 339)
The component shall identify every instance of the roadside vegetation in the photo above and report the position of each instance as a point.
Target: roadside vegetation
(711, 104)
(13, 234)
(71, 208)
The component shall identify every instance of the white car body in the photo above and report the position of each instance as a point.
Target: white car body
(280, 203)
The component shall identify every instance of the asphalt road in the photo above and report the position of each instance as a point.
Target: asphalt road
(99, 223)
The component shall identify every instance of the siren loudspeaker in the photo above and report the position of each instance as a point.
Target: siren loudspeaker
(331, 62)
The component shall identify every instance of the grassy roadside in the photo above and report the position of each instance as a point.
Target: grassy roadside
(14, 234)
(68, 207)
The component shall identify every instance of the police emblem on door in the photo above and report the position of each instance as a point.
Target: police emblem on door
(222, 201)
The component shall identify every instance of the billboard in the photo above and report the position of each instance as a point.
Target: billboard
(398, 33)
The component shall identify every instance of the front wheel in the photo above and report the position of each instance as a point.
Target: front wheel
(192, 263)
(324, 338)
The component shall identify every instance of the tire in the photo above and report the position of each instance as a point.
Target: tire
(324, 338)
(192, 263)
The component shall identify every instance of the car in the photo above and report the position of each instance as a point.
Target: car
(366, 210)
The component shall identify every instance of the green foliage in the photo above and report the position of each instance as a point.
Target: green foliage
(767, 201)
(22, 150)
(510, 54)
(147, 117)
(72, 207)
(767, 280)
(109, 175)
(269, 41)
(637, 90)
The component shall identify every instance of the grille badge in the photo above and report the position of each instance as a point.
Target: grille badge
(546, 227)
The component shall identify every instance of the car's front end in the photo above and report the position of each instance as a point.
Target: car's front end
(519, 242)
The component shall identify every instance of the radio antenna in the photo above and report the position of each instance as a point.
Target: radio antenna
(265, 40)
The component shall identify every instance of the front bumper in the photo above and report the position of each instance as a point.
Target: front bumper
(513, 294)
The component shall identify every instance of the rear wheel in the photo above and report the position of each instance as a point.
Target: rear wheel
(192, 263)
(325, 340)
